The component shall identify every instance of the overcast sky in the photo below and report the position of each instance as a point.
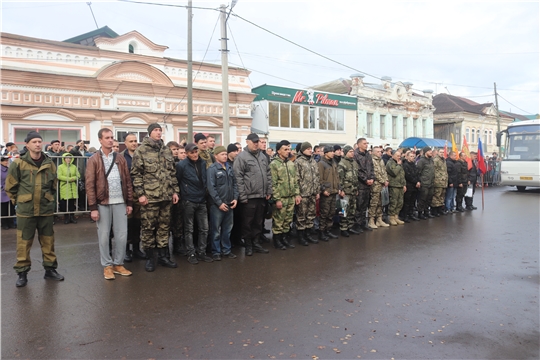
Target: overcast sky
(460, 48)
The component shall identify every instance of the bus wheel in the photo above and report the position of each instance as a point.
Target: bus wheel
(521, 188)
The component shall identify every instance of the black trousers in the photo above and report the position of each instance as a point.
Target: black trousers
(409, 199)
(253, 213)
(425, 194)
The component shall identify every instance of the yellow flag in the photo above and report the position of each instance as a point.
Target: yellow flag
(454, 146)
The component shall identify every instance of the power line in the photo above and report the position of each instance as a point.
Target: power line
(169, 5)
(526, 112)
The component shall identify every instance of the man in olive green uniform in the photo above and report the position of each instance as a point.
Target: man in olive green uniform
(329, 188)
(286, 194)
(396, 187)
(31, 185)
(440, 183)
(307, 171)
(155, 185)
(381, 181)
(426, 173)
(348, 178)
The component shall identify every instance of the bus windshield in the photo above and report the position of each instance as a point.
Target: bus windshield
(523, 146)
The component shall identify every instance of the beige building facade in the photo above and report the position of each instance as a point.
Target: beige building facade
(69, 91)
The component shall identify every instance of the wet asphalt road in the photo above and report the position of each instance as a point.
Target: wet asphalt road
(463, 286)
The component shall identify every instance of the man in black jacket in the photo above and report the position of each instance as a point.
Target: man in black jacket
(452, 167)
(366, 177)
(463, 180)
(413, 184)
(473, 176)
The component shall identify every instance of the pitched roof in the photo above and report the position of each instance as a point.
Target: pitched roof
(88, 38)
(515, 116)
(445, 103)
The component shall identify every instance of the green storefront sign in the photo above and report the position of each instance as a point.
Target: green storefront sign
(304, 97)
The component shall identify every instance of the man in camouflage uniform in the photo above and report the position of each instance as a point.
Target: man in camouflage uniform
(440, 183)
(396, 187)
(31, 185)
(348, 178)
(309, 184)
(286, 194)
(426, 174)
(329, 188)
(204, 153)
(155, 185)
(381, 181)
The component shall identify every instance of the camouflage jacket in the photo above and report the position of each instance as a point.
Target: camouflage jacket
(284, 179)
(396, 174)
(348, 175)
(207, 157)
(441, 173)
(329, 176)
(32, 189)
(153, 172)
(380, 171)
(307, 171)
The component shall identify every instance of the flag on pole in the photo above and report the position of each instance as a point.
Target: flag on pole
(465, 150)
(481, 160)
(454, 146)
(445, 149)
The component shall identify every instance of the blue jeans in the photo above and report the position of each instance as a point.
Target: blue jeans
(195, 212)
(449, 198)
(221, 240)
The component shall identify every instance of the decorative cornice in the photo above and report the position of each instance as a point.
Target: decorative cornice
(132, 34)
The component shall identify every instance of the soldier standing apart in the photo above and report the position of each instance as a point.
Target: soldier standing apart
(286, 195)
(440, 183)
(413, 184)
(307, 171)
(223, 193)
(381, 181)
(426, 174)
(366, 178)
(31, 185)
(254, 188)
(329, 188)
(396, 186)
(109, 191)
(348, 177)
(155, 185)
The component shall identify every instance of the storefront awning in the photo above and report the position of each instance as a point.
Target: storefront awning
(421, 142)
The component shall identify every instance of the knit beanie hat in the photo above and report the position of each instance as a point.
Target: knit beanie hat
(198, 137)
(328, 148)
(426, 149)
(32, 135)
(230, 148)
(305, 145)
(282, 143)
(219, 149)
(337, 147)
(346, 149)
(153, 126)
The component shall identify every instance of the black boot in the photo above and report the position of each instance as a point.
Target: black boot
(435, 211)
(177, 245)
(429, 214)
(345, 233)
(285, 240)
(128, 258)
(53, 275)
(249, 247)
(421, 215)
(66, 219)
(164, 258)
(72, 219)
(365, 227)
(322, 236)
(277, 242)
(137, 253)
(405, 219)
(302, 238)
(331, 235)
(309, 238)
(22, 280)
(257, 247)
(151, 260)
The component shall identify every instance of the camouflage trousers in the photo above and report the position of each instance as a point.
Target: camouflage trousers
(439, 195)
(348, 221)
(396, 200)
(282, 218)
(155, 224)
(327, 210)
(306, 212)
(375, 203)
(177, 220)
(26, 230)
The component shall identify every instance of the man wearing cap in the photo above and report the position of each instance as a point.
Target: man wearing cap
(154, 186)
(204, 153)
(309, 185)
(348, 177)
(426, 174)
(192, 179)
(223, 193)
(366, 178)
(330, 186)
(254, 182)
(31, 185)
(285, 195)
(56, 151)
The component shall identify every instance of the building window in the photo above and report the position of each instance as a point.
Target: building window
(424, 127)
(458, 135)
(405, 133)
(182, 136)
(369, 124)
(294, 116)
(273, 114)
(467, 135)
(285, 115)
(485, 137)
(121, 134)
(490, 138)
(383, 127)
(323, 119)
(312, 118)
(394, 127)
(69, 136)
(473, 134)
(131, 49)
(415, 127)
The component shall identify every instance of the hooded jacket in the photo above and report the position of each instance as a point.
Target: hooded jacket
(68, 174)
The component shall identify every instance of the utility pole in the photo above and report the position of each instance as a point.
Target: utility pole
(225, 75)
(190, 76)
(498, 115)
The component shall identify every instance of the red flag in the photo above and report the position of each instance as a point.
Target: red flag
(445, 149)
(465, 150)
(481, 160)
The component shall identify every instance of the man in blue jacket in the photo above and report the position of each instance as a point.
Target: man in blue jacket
(191, 175)
(223, 200)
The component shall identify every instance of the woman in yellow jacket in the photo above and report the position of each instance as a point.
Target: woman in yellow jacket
(68, 174)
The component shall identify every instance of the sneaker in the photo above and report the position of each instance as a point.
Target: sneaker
(120, 270)
(216, 257)
(108, 273)
(230, 256)
(192, 259)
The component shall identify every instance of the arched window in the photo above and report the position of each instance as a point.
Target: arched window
(131, 49)
(473, 133)
(485, 137)
(467, 135)
(29, 54)
(490, 138)
(7, 51)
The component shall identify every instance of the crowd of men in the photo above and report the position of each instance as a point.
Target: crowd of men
(210, 198)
